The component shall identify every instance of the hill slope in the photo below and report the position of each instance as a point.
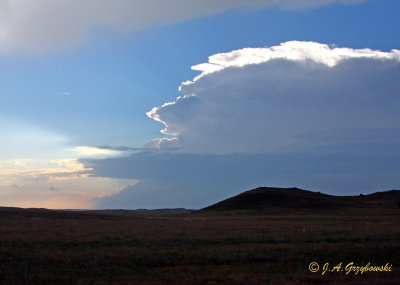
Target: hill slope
(269, 198)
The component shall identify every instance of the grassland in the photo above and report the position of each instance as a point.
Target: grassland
(230, 247)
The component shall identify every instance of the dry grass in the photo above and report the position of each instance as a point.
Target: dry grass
(234, 248)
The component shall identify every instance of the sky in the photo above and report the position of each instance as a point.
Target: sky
(181, 103)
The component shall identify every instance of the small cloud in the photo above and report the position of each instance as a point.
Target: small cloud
(12, 175)
(94, 151)
(118, 148)
(18, 162)
(66, 93)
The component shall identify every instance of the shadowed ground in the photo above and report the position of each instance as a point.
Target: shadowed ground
(259, 245)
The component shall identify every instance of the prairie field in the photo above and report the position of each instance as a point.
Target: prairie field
(231, 247)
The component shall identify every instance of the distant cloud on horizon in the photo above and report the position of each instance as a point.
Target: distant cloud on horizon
(52, 26)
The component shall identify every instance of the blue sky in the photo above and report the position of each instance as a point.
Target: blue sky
(69, 87)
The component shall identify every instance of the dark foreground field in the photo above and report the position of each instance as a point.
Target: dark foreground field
(208, 247)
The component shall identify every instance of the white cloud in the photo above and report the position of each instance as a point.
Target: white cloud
(92, 151)
(263, 99)
(48, 25)
(299, 114)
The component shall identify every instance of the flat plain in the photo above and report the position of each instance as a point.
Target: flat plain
(212, 246)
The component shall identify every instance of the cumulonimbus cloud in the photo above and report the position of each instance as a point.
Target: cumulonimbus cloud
(47, 25)
(261, 100)
(299, 114)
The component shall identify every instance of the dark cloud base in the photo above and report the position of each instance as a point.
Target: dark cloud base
(196, 180)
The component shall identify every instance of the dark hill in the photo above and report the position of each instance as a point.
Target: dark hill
(294, 198)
